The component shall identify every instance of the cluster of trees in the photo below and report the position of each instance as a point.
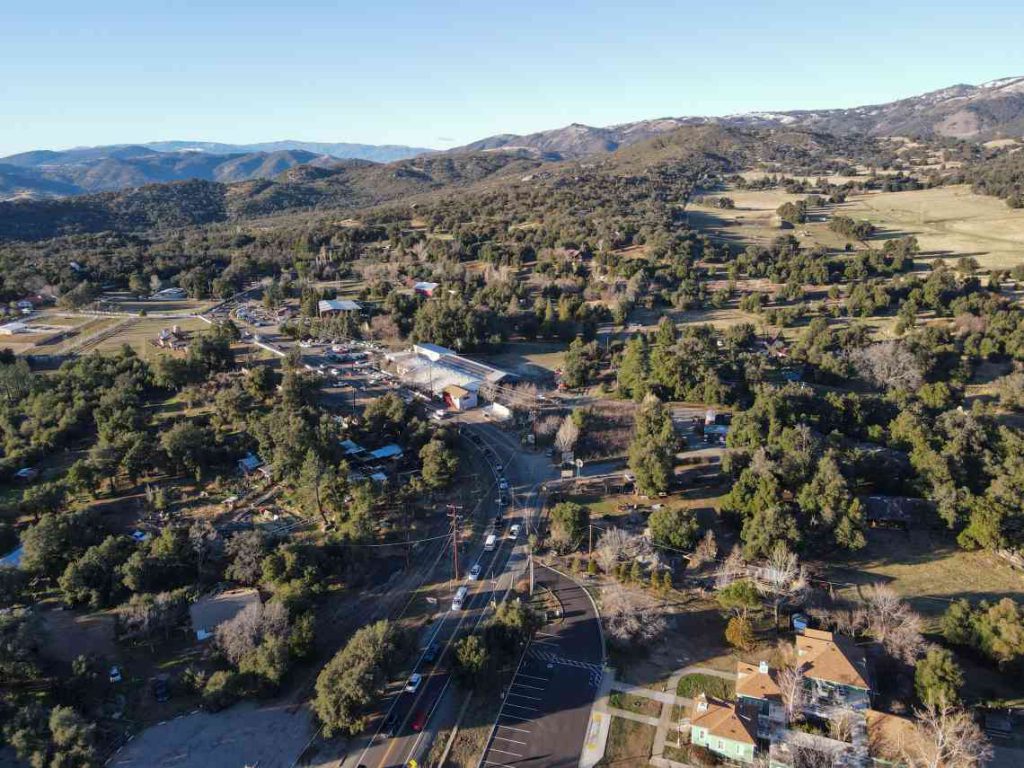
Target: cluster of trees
(1001, 176)
(696, 364)
(348, 686)
(995, 630)
(479, 657)
(652, 450)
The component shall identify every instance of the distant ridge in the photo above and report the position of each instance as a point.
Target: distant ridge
(977, 112)
(82, 170)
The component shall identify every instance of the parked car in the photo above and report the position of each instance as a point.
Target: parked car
(115, 674)
(414, 683)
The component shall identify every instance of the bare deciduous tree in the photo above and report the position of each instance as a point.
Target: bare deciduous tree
(781, 578)
(615, 546)
(567, 435)
(706, 550)
(889, 365)
(945, 738)
(891, 622)
(732, 569)
(241, 635)
(631, 618)
(791, 688)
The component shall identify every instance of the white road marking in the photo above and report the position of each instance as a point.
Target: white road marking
(520, 706)
(510, 728)
(503, 765)
(529, 687)
(506, 738)
(524, 696)
(505, 751)
(534, 677)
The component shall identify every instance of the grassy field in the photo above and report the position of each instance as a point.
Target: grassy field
(928, 570)
(629, 743)
(948, 222)
(140, 334)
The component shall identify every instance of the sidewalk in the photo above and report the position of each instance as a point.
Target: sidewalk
(600, 723)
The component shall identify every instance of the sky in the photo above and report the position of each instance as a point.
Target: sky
(439, 74)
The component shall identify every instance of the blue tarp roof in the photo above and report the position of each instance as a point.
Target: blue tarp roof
(387, 452)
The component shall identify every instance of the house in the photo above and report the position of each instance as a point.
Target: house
(758, 687)
(9, 329)
(333, 307)
(425, 288)
(460, 398)
(892, 511)
(170, 294)
(211, 611)
(727, 729)
(433, 352)
(834, 669)
(252, 464)
(390, 451)
(352, 448)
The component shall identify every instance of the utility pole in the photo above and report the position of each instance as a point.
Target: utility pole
(590, 542)
(453, 513)
(531, 573)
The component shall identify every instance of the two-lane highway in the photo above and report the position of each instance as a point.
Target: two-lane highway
(408, 713)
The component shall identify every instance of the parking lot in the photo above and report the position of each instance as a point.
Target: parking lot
(544, 715)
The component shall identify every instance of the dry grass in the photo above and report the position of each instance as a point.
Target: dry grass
(928, 570)
(949, 222)
(640, 705)
(629, 743)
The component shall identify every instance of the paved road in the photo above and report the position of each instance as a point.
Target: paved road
(543, 719)
(414, 712)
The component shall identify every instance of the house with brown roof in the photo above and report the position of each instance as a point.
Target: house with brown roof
(727, 729)
(757, 685)
(835, 670)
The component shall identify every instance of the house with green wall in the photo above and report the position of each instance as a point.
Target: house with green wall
(724, 728)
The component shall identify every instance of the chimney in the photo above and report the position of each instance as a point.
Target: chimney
(763, 667)
(702, 703)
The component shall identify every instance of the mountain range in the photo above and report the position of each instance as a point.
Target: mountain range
(47, 173)
(972, 112)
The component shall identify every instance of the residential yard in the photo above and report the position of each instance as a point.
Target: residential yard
(691, 686)
(640, 705)
(629, 743)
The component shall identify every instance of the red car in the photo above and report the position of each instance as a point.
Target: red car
(419, 720)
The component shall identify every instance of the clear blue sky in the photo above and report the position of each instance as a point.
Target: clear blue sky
(437, 74)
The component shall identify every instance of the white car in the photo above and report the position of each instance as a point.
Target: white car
(115, 675)
(474, 572)
(503, 484)
(414, 683)
(513, 532)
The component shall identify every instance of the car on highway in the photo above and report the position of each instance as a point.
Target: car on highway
(503, 484)
(419, 720)
(414, 683)
(389, 726)
(474, 572)
(162, 688)
(459, 599)
(499, 467)
(513, 532)
(430, 655)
